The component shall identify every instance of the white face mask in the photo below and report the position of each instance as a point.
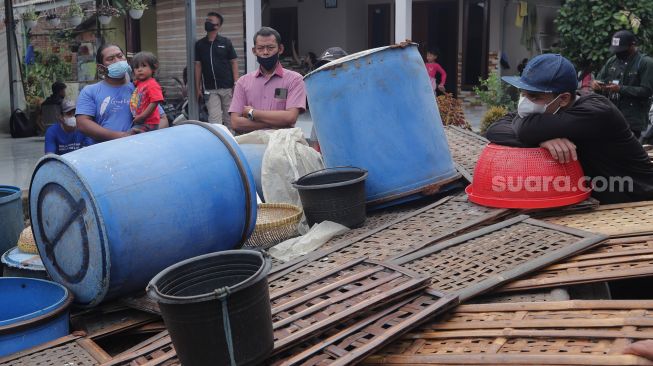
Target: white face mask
(70, 121)
(526, 107)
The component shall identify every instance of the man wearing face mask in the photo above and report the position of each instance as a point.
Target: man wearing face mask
(270, 97)
(103, 108)
(588, 128)
(216, 64)
(627, 80)
(63, 137)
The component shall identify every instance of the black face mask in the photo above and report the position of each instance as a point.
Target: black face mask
(209, 27)
(622, 55)
(268, 63)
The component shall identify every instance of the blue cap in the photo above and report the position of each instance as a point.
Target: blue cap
(547, 73)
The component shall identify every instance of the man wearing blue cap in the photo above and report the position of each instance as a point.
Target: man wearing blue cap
(588, 128)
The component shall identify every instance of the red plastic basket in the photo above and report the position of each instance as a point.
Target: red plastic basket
(509, 177)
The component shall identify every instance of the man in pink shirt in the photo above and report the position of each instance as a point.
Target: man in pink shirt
(270, 97)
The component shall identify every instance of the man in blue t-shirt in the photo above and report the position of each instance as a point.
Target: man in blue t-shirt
(103, 109)
(62, 137)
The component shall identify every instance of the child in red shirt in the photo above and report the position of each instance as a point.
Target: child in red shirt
(147, 94)
(433, 68)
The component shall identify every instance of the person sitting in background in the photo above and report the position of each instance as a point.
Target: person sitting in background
(147, 96)
(330, 54)
(51, 106)
(433, 68)
(63, 137)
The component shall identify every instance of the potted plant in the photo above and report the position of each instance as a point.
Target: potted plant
(136, 8)
(53, 19)
(105, 12)
(29, 17)
(75, 13)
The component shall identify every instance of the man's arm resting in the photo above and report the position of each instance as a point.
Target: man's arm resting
(277, 119)
(88, 127)
(243, 125)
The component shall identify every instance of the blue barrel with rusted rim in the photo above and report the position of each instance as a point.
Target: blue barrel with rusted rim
(109, 217)
(376, 110)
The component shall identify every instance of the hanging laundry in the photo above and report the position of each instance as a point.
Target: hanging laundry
(529, 31)
(522, 12)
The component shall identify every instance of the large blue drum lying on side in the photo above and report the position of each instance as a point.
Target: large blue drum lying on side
(376, 110)
(109, 217)
(32, 312)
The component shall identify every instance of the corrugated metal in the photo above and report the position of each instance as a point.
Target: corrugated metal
(171, 35)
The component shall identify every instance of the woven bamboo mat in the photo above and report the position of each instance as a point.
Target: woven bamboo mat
(474, 263)
(555, 333)
(614, 220)
(353, 340)
(618, 258)
(408, 233)
(465, 147)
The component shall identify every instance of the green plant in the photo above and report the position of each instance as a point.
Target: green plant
(46, 69)
(107, 11)
(494, 93)
(451, 111)
(136, 5)
(75, 10)
(30, 14)
(492, 115)
(586, 27)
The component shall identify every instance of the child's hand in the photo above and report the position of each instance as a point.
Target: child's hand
(441, 88)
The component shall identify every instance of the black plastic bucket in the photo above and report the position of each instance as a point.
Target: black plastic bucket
(334, 194)
(194, 296)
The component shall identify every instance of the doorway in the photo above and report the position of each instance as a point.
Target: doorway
(284, 20)
(435, 25)
(378, 25)
(475, 42)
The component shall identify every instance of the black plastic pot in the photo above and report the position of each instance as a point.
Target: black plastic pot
(334, 194)
(194, 296)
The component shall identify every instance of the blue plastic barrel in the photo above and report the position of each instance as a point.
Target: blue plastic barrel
(109, 217)
(11, 216)
(254, 155)
(376, 110)
(32, 312)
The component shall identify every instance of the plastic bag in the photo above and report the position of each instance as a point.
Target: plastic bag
(287, 158)
(315, 238)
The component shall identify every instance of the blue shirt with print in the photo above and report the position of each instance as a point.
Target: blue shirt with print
(108, 105)
(58, 141)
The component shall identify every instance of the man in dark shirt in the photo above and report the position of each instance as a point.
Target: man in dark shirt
(588, 128)
(216, 64)
(627, 80)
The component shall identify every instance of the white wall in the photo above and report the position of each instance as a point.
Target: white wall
(321, 28)
(546, 12)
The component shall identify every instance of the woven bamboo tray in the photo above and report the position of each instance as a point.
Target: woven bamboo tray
(556, 333)
(465, 147)
(275, 222)
(617, 220)
(616, 259)
(406, 234)
(474, 263)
